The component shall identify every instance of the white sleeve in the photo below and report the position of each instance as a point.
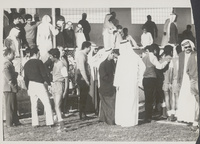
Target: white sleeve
(53, 30)
(153, 59)
(150, 38)
(64, 72)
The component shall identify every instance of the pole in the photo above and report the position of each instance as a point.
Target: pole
(54, 24)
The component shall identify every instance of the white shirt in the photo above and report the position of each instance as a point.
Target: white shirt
(146, 39)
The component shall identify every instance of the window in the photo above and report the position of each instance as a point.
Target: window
(94, 15)
(159, 15)
(31, 11)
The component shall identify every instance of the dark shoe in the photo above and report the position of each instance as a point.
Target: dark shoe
(9, 126)
(147, 120)
(173, 118)
(51, 126)
(36, 126)
(160, 118)
(17, 124)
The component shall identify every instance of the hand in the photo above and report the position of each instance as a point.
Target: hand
(50, 88)
(169, 59)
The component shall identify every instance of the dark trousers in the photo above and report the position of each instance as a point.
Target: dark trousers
(65, 102)
(84, 90)
(149, 85)
(159, 95)
(11, 108)
(87, 36)
(107, 109)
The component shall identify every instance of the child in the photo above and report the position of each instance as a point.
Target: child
(169, 81)
(146, 38)
(60, 83)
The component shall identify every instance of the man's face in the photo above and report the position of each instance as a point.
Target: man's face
(28, 21)
(51, 58)
(187, 48)
(16, 21)
(119, 30)
(115, 56)
(88, 49)
(144, 30)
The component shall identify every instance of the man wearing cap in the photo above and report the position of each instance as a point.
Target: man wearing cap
(107, 91)
(188, 84)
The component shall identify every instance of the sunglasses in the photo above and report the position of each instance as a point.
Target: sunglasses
(187, 47)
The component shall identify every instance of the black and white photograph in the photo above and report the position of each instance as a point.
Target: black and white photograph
(100, 71)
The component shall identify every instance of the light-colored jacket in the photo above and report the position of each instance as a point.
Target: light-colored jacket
(9, 77)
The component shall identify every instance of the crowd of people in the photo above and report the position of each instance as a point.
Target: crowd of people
(168, 77)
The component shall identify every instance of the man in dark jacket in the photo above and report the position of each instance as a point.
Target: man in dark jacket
(86, 26)
(107, 91)
(151, 27)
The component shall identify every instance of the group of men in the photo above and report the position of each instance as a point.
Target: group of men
(35, 78)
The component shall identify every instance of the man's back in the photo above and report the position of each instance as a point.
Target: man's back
(152, 28)
(34, 70)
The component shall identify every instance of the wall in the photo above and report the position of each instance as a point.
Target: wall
(44, 11)
(184, 18)
(124, 17)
